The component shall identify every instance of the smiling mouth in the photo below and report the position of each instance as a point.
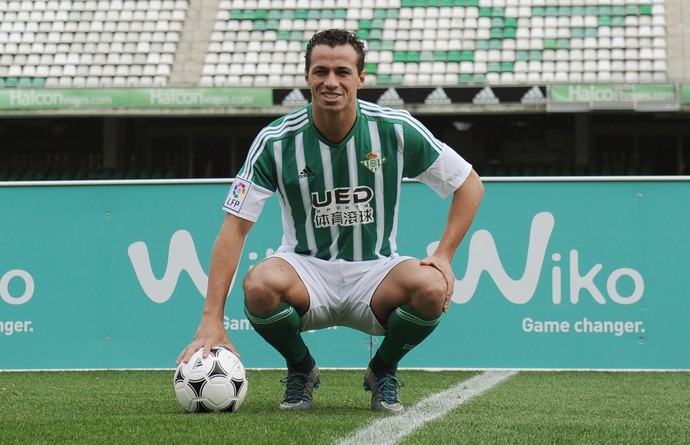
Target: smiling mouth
(330, 95)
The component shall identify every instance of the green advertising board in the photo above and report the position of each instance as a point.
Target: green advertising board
(137, 98)
(552, 275)
(634, 96)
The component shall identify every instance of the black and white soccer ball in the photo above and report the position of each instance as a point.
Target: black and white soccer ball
(217, 383)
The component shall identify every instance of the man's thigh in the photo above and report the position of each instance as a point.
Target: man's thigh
(340, 292)
(272, 282)
(403, 285)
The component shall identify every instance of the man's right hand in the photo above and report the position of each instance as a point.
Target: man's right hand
(207, 336)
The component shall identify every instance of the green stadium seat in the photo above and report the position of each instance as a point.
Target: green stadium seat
(371, 68)
(564, 11)
(465, 78)
(375, 34)
(24, 82)
(496, 33)
(632, 10)
(374, 45)
(440, 56)
(495, 44)
(591, 10)
(536, 55)
(384, 79)
(604, 10)
(618, 10)
(618, 21)
(551, 11)
(538, 11)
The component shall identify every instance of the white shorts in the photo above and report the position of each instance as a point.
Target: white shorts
(340, 291)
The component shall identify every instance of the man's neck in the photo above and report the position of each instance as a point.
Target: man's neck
(334, 127)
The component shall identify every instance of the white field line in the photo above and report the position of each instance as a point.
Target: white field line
(389, 430)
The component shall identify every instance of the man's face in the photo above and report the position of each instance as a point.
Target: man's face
(333, 78)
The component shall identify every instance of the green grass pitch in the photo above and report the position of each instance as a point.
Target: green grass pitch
(139, 407)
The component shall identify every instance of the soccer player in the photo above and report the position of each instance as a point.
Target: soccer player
(337, 165)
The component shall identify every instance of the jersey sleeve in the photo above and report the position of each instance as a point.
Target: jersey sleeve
(254, 184)
(447, 173)
(246, 199)
(431, 161)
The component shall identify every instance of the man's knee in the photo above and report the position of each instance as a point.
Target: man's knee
(271, 283)
(430, 292)
(259, 291)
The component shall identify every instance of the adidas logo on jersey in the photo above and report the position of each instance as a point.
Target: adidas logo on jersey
(306, 172)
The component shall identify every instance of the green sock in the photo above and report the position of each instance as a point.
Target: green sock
(280, 328)
(406, 329)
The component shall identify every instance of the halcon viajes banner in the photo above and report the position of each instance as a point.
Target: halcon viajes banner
(137, 98)
(589, 274)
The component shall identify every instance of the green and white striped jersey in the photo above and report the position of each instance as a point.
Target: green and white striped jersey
(340, 201)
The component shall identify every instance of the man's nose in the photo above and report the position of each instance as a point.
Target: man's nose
(331, 80)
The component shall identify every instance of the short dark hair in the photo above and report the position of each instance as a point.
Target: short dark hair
(333, 38)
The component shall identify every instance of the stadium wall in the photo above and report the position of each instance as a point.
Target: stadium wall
(564, 129)
(573, 273)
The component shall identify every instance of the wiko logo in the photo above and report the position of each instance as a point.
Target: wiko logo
(181, 256)
(483, 257)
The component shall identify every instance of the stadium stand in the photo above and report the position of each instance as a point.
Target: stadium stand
(89, 43)
(446, 42)
(127, 43)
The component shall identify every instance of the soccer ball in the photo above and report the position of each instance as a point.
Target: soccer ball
(217, 383)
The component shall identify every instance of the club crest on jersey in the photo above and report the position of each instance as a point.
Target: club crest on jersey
(373, 162)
